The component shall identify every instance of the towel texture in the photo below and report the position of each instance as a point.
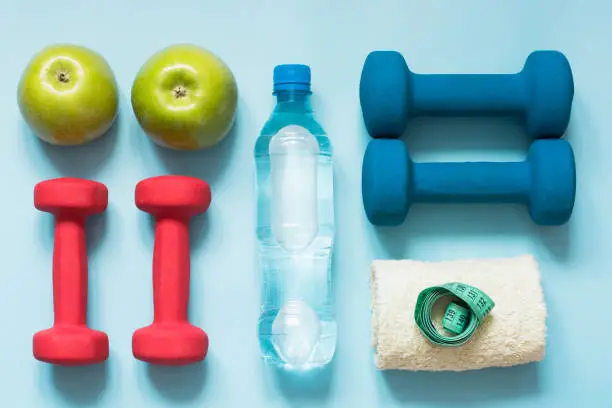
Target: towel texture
(513, 333)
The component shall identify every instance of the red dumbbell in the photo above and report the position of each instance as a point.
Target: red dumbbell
(171, 339)
(70, 341)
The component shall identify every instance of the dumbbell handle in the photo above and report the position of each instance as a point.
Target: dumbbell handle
(69, 271)
(473, 182)
(171, 269)
(467, 94)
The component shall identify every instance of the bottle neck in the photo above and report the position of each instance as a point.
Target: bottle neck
(292, 101)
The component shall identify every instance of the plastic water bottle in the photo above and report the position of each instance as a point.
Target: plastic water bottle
(295, 229)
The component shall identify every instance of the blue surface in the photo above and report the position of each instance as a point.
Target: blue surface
(334, 39)
(544, 182)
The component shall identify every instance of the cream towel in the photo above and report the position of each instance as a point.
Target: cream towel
(513, 333)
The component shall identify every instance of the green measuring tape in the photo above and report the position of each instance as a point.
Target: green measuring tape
(462, 316)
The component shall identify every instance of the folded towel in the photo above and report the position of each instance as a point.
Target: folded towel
(513, 333)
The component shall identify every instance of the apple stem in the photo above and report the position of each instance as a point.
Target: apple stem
(180, 92)
(63, 77)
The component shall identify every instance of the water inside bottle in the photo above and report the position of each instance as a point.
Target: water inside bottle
(297, 327)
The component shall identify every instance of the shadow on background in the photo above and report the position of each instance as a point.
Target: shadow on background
(467, 221)
(83, 161)
(461, 140)
(179, 384)
(479, 386)
(83, 385)
(95, 229)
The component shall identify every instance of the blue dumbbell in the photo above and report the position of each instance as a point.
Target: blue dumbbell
(545, 182)
(541, 94)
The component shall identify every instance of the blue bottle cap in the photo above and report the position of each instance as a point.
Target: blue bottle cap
(289, 77)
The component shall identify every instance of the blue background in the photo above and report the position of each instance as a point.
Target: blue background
(334, 37)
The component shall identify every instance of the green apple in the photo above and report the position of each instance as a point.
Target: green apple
(68, 95)
(184, 97)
